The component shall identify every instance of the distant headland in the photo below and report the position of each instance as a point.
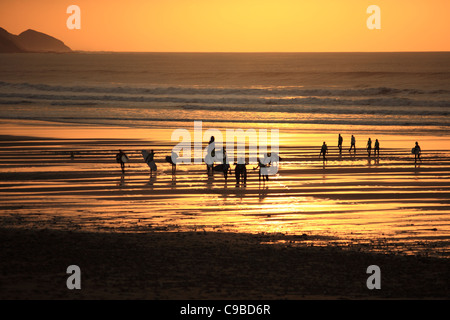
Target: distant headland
(30, 41)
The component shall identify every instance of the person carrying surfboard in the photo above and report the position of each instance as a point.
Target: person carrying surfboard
(223, 167)
(173, 159)
(122, 158)
(264, 164)
(149, 159)
(210, 154)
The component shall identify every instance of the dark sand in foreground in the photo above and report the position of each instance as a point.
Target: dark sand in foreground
(198, 265)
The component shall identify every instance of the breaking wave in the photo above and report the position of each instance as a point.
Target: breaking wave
(353, 106)
(201, 90)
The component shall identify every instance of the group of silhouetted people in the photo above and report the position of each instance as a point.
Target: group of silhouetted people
(353, 146)
(376, 150)
(241, 165)
(240, 169)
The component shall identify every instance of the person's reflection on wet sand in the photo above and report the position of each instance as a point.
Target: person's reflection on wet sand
(152, 180)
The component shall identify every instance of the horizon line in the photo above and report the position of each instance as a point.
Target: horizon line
(395, 51)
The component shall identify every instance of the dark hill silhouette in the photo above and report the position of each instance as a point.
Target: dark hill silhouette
(7, 42)
(30, 41)
(35, 41)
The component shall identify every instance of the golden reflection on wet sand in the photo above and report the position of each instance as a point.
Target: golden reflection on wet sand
(349, 198)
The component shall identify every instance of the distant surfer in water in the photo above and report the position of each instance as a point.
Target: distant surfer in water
(353, 144)
(416, 150)
(122, 158)
(369, 147)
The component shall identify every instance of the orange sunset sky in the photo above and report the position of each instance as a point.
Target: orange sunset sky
(236, 25)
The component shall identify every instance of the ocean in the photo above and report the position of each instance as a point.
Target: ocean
(391, 92)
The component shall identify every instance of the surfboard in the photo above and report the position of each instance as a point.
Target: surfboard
(121, 158)
(415, 151)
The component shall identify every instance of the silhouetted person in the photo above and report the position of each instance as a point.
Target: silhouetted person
(369, 147)
(173, 161)
(151, 161)
(240, 172)
(225, 164)
(261, 165)
(417, 152)
(267, 162)
(324, 151)
(122, 158)
(376, 151)
(210, 154)
(340, 140)
(353, 144)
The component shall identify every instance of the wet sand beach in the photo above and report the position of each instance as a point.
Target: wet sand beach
(310, 231)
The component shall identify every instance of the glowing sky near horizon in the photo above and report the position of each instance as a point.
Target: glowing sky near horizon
(236, 25)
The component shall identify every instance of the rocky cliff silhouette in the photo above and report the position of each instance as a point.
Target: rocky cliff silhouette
(30, 41)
